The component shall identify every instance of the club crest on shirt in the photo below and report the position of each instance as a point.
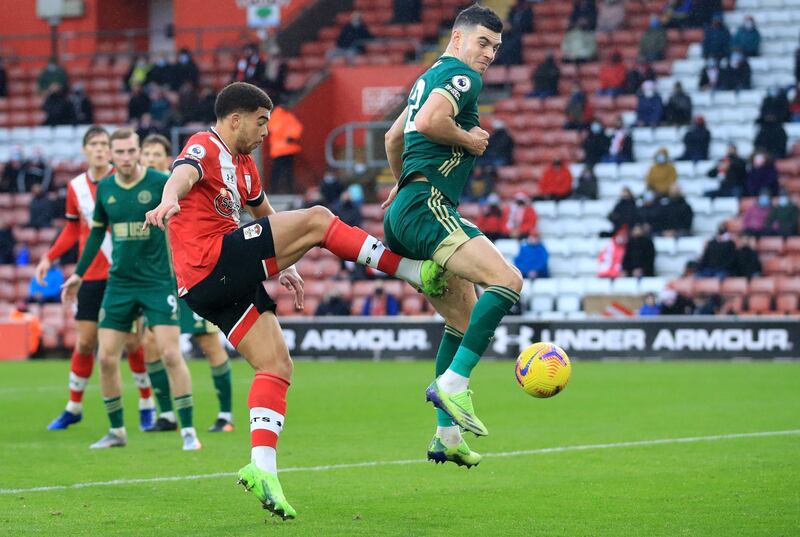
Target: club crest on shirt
(225, 204)
(196, 151)
(145, 197)
(251, 232)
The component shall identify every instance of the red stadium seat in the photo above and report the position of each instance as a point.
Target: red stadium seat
(792, 245)
(759, 303)
(706, 286)
(787, 304)
(683, 286)
(777, 265)
(786, 284)
(734, 287)
(412, 305)
(764, 285)
(770, 245)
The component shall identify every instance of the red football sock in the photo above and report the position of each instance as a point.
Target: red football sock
(139, 370)
(267, 402)
(80, 369)
(355, 244)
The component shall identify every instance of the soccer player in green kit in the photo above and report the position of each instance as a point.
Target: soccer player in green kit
(431, 149)
(140, 280)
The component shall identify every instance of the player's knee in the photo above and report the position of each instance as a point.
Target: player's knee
(280, 366)
(86, 346)
(320, 218)
(108, 362)
(171, 356)
(512, 278)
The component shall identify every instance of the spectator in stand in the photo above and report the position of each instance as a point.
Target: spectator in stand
(595, 145)
(678, 110)
(352, 38)
(81, 105)
(492, 222)
(583, 10)
(670, 302)
(521, 217)
(500, 151)
(146, 126)
(139, 103)
(747, 263)
(481, 183)
(783, 217)
(612, 76)
(586, 187)
(37, 170)
(40, 209)
(137, 74)
(649, 108)
(556, 182)
(285, 133)
(12, 171)
(621, 148)
(406, 11)
(707, 304)
(332, 303)
(652, 212)
(754, 218)
(772, 137)
(511, 51)
(50, 292)
(678, 215)
(331, 188)
(52, 73)
(546, 77)
(578, 109)
(3, 79)
(676, 13)
(702, 12)
(625, 213)
(57, 106)
(763, 175)
(640, 254)
(653, 45)
(737, 76)
(696, 141)
(662, 174)
(311, 197)
(347, 210)
(797, 64)
(719, 256)
(747, 38)
(7, 243)
(185, 71)
(774, 104)
(710, 76)
(610, 15)
(162, 73)
(794, 104)
(641, 72)
(205, 108)
(249, 67)
(520, 17)
(188, 104)
(731, 170)
(532, 258)
(160, 107)
(380, 303)
(275, 72)
(579, 44)
(716, 39)
(649, 307)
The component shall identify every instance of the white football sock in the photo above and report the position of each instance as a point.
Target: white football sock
(410, 271)
(74, 408)
(227, 416)
(185, 430)
(119, 431)
(148, 403)
(265, 458)
(169, 416)
(452, 382)
(451, 435)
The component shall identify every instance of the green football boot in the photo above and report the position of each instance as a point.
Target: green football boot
(458, 406)
(267, 488)
(434, 278)
(461, 454)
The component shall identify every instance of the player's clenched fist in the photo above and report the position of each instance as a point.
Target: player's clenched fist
(480, 141)
(158, 216)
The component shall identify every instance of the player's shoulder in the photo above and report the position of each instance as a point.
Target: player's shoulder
(449, 67)
(200, 145)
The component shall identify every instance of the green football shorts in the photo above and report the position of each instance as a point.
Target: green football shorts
(421, 224)
(192, 323)
(121, 307)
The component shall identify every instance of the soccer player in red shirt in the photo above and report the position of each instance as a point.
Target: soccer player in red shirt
(221, 268)
(80, 208)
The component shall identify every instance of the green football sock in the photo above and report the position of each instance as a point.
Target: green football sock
(221, 375)
(184, 405)
(114, 411)
(160, 382)
(451, 339)
(492, 306)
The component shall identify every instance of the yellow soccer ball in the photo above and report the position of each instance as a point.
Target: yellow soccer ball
(543, 370)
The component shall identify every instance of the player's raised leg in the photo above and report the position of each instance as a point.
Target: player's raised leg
(221, 376)
(80, 369)
(134, 348)
(110, 352)
(265, 350)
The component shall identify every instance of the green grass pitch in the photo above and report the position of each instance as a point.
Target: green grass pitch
(348, 413)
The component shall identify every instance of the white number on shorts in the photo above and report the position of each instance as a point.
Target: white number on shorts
(173, 303)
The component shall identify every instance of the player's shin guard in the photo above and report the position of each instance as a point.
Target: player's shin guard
(267, 402)
(114, 410)
(185, 407)
(451, 340)
(80, 369)
(160, 383)
(355, 244)
(221, 375)
(490, 309)
(139, 370)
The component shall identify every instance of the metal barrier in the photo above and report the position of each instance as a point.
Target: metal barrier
(374, 155)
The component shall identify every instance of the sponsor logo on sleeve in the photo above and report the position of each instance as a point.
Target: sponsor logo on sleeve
(196, 152)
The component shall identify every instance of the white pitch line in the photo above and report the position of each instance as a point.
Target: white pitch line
(540, 451)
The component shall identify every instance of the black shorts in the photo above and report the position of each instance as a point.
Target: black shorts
(90, 297)
(233, 296)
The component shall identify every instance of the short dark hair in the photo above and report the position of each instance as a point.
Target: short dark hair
(123, 134)
(158, 139)
(240, 97)
(94, 130)
(477, 15)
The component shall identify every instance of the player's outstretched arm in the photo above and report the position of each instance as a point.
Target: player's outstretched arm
(177, 186)
(435, 120)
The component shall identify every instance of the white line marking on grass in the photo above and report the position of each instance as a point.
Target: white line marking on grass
(540, 451)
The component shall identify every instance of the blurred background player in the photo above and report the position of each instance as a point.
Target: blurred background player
(157, 154)
(79, 209)
(141, 280)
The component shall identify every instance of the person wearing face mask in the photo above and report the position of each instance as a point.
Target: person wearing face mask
(612, 75)
(710, 75)
(775, 104)
(579, 44)
(738, 76)
(782, 219)
(595, 145)
(649, 108)
(747, 262)
(696, 141)
(662, 174)
(185, 70)
(763, 175)
(678, 110)
(331, 188)
(625, 212)
(491, 221)
(556, 182)
(747, 38)
(654, 40)
(731, 170)
(521, 217)
(137, 74)
(772, 137)
(678, 214)
(249, 67)
(162, 73)
(716, 39)
(621, 146)
(532, 258)
(719, 256)
(754, 218)
(586, 188)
